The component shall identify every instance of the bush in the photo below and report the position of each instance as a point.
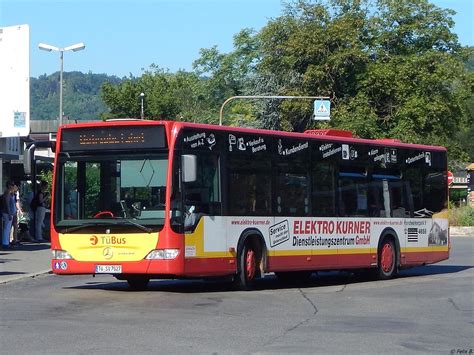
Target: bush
(461, 216)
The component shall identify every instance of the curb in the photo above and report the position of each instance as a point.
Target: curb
(24, 276)
(461, 231)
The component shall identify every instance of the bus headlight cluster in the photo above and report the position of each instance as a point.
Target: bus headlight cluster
(61, 254)
(163, 254)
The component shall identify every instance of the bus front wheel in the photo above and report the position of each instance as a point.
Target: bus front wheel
(387, 260)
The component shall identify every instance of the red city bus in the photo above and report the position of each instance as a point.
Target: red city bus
(155, 199)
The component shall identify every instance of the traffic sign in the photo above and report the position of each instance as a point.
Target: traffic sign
(322, 110)
(450, 178)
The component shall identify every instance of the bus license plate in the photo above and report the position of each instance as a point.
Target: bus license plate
(108, 269)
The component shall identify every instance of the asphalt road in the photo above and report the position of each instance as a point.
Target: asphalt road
(426, 310)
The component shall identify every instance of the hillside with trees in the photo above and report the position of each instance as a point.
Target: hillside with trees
(81, 95)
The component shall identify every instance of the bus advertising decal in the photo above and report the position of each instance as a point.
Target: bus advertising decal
(254, 145)
(202, 139)
(349, 152)
(327, 150)
(328, 233)
(294, 148)
(190, 251)
(279, 233)
(426, 156)
(320, 233)
(389, 155)
(60, 265)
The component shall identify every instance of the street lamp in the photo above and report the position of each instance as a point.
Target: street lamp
(75, 47)
(142, 112)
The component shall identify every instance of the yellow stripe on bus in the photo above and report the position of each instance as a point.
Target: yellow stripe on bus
(425, 249)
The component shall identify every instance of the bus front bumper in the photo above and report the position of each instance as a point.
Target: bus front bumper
(165, 268)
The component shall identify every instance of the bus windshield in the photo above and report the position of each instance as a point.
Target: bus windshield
(126, 190)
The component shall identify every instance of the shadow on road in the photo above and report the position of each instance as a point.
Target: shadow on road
(271, 282)
(26, 247)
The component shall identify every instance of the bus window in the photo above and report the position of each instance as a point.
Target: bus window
(111, 187)
(291, 194)
(434, 191)
(352, 193)
(202, 196)
(389, 191)
(249, 186)
(376, 199)
(70, 194)
(398, 199)
(414, 178)
(324, 190)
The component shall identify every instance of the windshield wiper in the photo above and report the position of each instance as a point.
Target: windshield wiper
(138, 225)
(111, 223)
(85, 225)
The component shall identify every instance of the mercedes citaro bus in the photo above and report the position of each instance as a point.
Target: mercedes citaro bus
(158, 199)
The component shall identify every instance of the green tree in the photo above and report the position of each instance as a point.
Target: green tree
(392, 70)
(173, 96)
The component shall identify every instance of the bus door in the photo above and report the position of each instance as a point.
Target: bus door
(204, 226)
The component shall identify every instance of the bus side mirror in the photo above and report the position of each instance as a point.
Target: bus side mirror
(28, 155)
(188, 167)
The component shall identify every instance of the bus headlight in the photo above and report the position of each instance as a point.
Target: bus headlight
(61, 254)
(163, 254)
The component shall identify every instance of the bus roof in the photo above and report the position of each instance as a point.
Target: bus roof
(332, 135)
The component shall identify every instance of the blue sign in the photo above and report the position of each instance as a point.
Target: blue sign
(322, 110)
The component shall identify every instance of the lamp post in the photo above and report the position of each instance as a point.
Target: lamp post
(75, 47)
(142, 111)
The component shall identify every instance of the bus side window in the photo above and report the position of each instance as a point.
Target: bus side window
(202, 196)
(414, 179)
(292, 194)
(352, 193)
(249, 186)
(324, 189)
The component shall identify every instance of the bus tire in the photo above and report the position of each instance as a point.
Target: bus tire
(248, 264)
(138, 283)
(387, 259)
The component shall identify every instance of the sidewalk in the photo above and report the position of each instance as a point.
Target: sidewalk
(27, 260)
(461, 231)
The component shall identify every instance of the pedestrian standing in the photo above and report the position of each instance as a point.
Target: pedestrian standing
(40, 211)
(14, 227)
(16, 214)
(7, 214)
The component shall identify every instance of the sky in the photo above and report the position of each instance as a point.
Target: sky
(123, 37)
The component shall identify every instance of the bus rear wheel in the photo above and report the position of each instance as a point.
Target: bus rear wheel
(387, 260)
(249, 260)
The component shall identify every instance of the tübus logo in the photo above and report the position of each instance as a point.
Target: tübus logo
(107, 240)
(94, 240)
(112, 240)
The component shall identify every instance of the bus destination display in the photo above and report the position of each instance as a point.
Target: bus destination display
(118, 137)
